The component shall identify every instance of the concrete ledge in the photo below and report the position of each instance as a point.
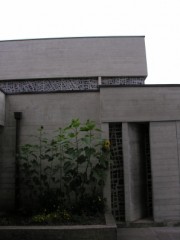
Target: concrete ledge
(78, 232)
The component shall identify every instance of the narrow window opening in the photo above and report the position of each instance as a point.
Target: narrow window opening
(117, 172)
(147, 158)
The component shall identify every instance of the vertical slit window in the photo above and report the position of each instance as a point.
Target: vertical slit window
(117, 172)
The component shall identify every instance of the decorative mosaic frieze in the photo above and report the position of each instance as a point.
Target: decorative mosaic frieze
(65, 84)
(122, 81)
(50, 85)
(117, 172)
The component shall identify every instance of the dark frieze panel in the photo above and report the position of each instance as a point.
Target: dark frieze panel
(123, 81)
(63, 85)
(49, 85)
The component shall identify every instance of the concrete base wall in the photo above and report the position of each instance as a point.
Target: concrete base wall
(79, 232)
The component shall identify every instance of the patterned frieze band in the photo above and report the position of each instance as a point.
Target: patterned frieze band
(122, 81)
(48, 85)
(64, 84)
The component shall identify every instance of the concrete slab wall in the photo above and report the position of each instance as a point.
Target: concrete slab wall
(73, 57)
(2, 108)
(140, 104)
(50, 110)
(164, 142)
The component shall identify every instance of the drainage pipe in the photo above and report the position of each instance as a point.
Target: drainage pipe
(18, 117)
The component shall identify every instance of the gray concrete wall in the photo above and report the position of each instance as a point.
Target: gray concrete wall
(114, 105)
(164, 142)
(50, 110)
(2, 108)
(140, 104)
(73, 57)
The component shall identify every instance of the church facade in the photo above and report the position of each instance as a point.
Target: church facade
(50, 81)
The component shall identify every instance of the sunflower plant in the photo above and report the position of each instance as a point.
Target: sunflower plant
(67, 171)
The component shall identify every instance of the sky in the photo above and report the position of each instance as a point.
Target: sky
(157, 20)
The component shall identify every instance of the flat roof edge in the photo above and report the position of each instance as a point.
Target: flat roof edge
(140, 86)
(70, 77)
(61, 38)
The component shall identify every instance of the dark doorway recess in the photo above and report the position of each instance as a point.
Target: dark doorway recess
(139, 185)
(147, 157)
(140, 171)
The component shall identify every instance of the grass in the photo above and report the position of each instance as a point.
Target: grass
(50, 219)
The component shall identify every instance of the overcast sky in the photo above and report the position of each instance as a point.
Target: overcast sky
(158, 20)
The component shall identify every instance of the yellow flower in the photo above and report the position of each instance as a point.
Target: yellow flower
(106, 145)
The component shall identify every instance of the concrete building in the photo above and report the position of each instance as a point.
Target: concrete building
(52, 81)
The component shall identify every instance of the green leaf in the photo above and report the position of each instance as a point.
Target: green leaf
(47, 150)
(35, 163)
(75, 123)
(98, 130)
(53, 179)
(49, 158)
(90, 125)
(67, 166)
(34, 171)
(81, 159)
(86, 140)
(25, 165)
(89, 151)
(47, 169)
(36, 180)
(84, 129)
(72, 135)
(43, 177)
